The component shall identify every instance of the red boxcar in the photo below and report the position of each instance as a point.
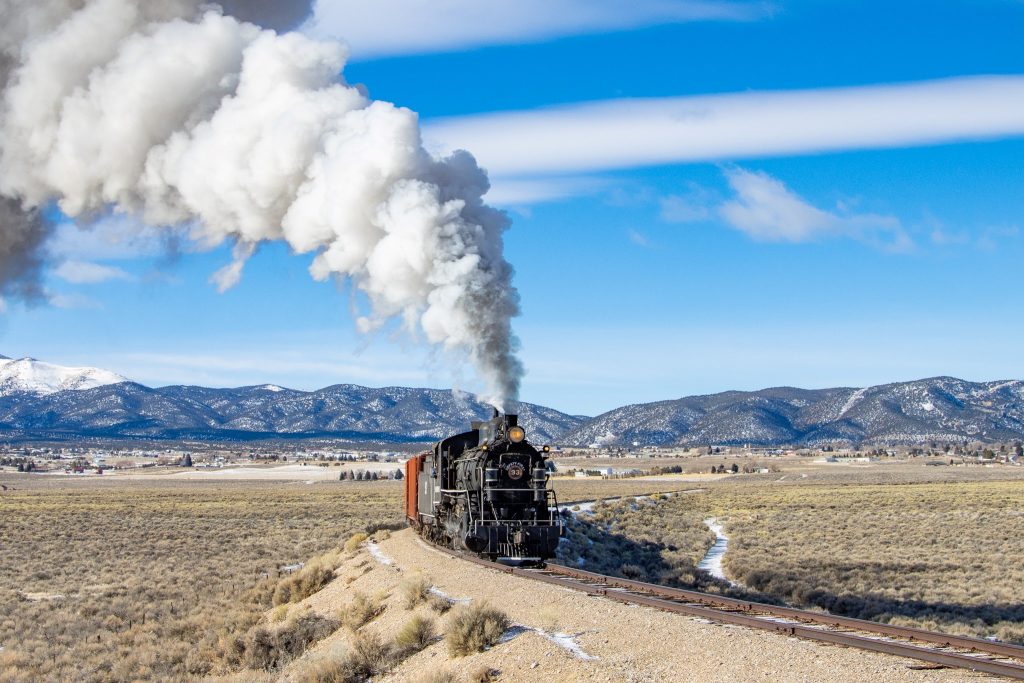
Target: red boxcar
(413, 467)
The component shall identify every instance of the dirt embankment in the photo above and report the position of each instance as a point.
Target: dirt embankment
(562, 635)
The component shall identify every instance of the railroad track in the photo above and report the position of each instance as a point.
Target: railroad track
(940, 649)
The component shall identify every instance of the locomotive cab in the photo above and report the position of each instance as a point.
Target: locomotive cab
(486, 491)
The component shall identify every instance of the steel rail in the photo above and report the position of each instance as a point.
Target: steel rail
(807, 625)
(909, 633)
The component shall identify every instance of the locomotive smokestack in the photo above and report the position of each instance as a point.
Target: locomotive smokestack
(254, 138)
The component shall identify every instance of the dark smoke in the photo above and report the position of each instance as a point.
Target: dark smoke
(22, 239)
(280, 16)
(23, 236)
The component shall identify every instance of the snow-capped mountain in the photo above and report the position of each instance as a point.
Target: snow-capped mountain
(936, 409)
(45, 401)
(52, 402)
(28, 375)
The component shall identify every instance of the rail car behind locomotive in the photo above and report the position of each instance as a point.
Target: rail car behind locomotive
(485, 491)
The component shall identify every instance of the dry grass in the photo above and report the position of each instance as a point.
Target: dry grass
(571, 490)
(416, 634)
(362, 610)
(316, 574)
(158, 580)
(354, 541)
(474, 628)
(940, 556)
(646, 540)
(270, 648)
(441, 676)
(365, 656)
(895, 544)
(414, 589)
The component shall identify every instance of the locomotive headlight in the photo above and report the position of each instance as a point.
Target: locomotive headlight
(516, 434)
(547, 449)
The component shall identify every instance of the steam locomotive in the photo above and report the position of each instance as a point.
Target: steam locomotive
(485, 491)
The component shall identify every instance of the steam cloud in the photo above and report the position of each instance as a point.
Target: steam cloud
(186, 114)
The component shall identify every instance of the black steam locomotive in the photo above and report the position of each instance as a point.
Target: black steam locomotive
(485, 491)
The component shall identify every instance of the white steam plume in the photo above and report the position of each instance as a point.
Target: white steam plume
(180, 114)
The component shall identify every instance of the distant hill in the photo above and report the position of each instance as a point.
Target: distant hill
(44, 401)
(940, 409)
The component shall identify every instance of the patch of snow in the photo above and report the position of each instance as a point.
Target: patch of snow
(712, 560)
(289, 568)
(273, 387)
(433, 590)
(512, 632)
(378, 554)
(1002, 385)
(33, 376)
(928, 405)
(567, 643)
(850, 402)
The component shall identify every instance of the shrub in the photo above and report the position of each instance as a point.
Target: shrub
(354, 541)
(303, 583)
(439, 603)
(440, 676)
(414, 589)
(362, 609)
(366, 657)
(370, 655)
(417, 633)
(474, 628)
(328, 671)
(483, 674)
(269, 648)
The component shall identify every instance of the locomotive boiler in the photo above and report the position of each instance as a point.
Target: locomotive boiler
(485, 491)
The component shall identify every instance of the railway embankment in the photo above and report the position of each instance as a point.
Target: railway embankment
(562, 635)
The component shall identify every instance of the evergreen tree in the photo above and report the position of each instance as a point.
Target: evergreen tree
(398, 474)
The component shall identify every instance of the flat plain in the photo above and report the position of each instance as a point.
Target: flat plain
(110, 578)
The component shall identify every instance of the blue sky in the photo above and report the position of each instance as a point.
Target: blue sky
(705, 196)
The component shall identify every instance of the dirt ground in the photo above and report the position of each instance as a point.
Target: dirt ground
(563, 635)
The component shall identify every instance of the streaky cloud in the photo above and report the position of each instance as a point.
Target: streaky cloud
(416, 27)
(630, 133)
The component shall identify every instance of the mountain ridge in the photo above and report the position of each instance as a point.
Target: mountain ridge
(69, 403)
(933, 409)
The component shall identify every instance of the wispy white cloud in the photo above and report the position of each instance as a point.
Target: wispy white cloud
(520, 191)
(986, 239)
(402, 27)
(638, 238)
(640, 132)
(73, 300)
(85, 272)
(763, 208)
(308, 368)
(689, 207)
(992, 236)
